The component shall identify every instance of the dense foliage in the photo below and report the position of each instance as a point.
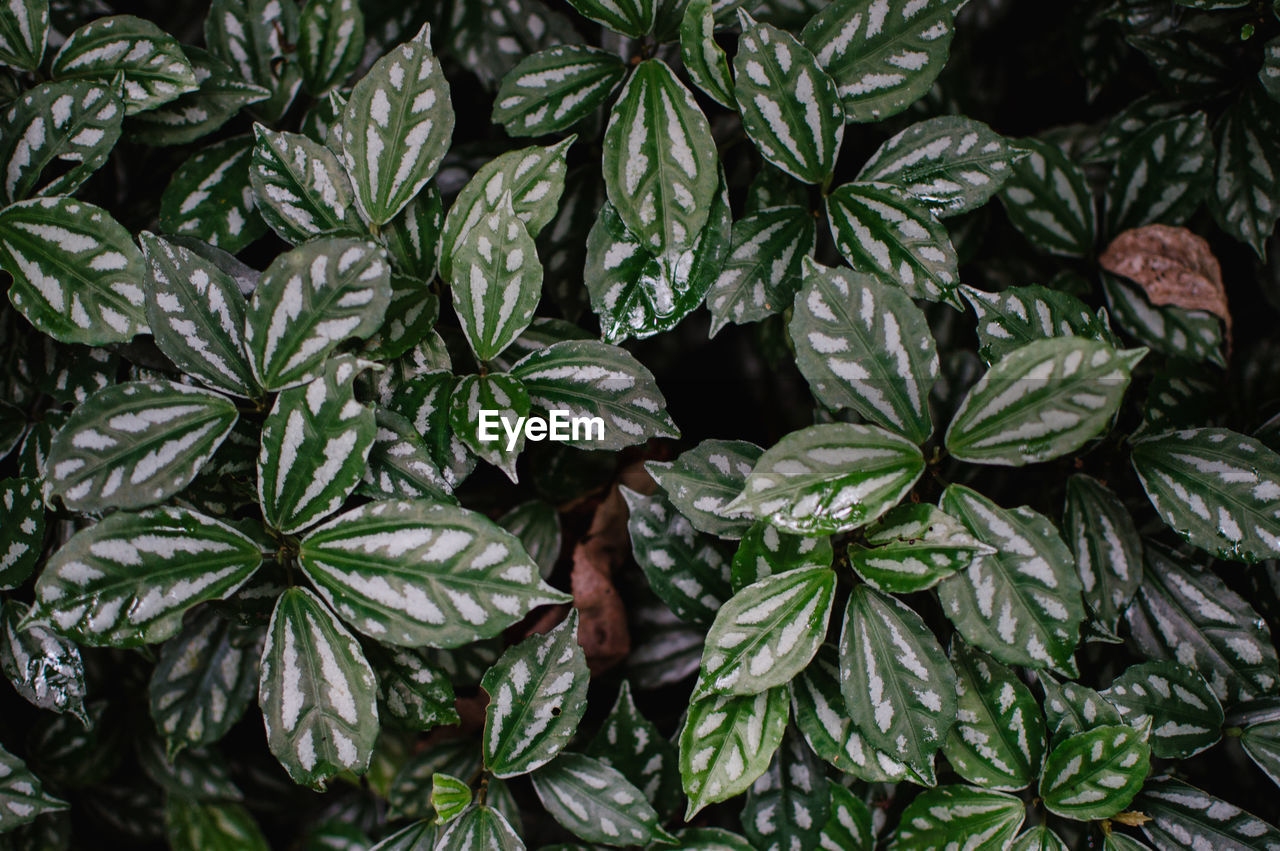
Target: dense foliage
(953, 520)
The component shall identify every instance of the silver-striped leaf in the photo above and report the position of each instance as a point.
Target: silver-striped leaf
(788, 806)
(1043, 400)
(1105, 542)
(705, 61)
(423, 400)
(1021, 604)
(480, 827)
(1162, 174)
(554, 89)
(76, 273)
(1183, 713)
(22, 796)
(849, 824)
(22, 534)
(72, 124)
(309, 301)
(331, 43)
(315, 447)
(43, 666)
(196, 825)
(1261, 741)
(634, 18)
(449, 796)
(1049, 201)
(760, 276)
(317, 693)
(829, 478)
(410, 318)
(210, 197)
(703, 480)
(300, 188)
(1182, 816)
(728, 741)
(765, 551)
(475, 399)
(128, 579)
(1194, 335)
(136, 444)
(412, 238)
(1040, 839)
(1269, 73)
(883, 231)
(1015, 316)
(1215, 487)
(1071, 708)
(221, 93)
(24, 29)
(593, 801)
(396, 128)
(1248, 162)
(631, 743)
(962, 817)
(1095, 774)
(537, 694)
(864, 345)
(258, 38)
(400, 463)
(154, 68)
(913, 548)
(413, 690)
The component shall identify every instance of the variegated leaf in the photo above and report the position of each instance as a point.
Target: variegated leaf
(1247, 169)
(410, 318)
(765, 551)
(1161, 175)
(1072, 708)
(1095, 774)
(195, 825)
(128, 579)
(301, 190)
(24, 28)
(914, 547)
(1013, 317)
(221, 93)
(1183, 816)
(210, 197)
(554, 89)
(1183, 713)
(633, 18)
(76, 272)
(864, 345)
(317, 693)
(763, 270)
(1039, 839)
(411, 689)
(412, 237)
(727, 742)
(788, 806)
(537, 524)
(711, 838)
(829, 478)
(1194, 335)
(424, 402)
(45, 668)
(22, 797)
(396, 128)
(1105, 542)
(1261, 741)
(154, 68)
(449, 797)
(22, 534)
(72, 124)
(309, 301)
(703, 480)
(595, 802)
(537, 694)
(630, 743)
(705, 61)
(331, 43)
(315, 447)
(883, 231)
(962, 817)
(1049, 201)
(482, 410)
(1021, 604)
(400, 463)
(480, 827)
(258, 38)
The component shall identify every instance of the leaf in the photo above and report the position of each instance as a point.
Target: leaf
(553, 89)
(1269, 73)
(196, 315)
(998, 741)
(849, 825)
(633, 18)
(937, 817)
(1105, 542)
(317, 693)
(630, 743)
(22, 797)
(221, 93)
(764, 551)
(315, 445)
(45, 668)
(703, 480)
(400, 463)
(1021, 604)
(1049, 201)
(331, 43)
(309, 301)
(22, 535)
(711, 838)
(1186, 614)
(412, 237)
(595, 802)
(1072, 708)
(154, 68)
(1181, 814)
(128, 579)
(704, 60)
(209, 197)
(449, 797)
(1015, 316)
(300, 187)
(481, 409)
(205, 679)
(727, 742)
(192, 825)
(864, 345)
(1040, 839)
(1161, 175)
(951, 164)
(75, 271)
(763, 270)
(136, 444)
(537, 694)
(411, 689)
(913, 548)
(659, 160)
(257, 37)
(415, 573)
(1184, 714)
(1218, 489)
(424, 402)
(1261, 741)
(1246, 169)
(1095, 774)
(788, 805)
(480, 827)
(24, 28)
(1191, 334)
(71, 125)
(396, 128)
(882, 231)
(1041, 401)
(830, 478)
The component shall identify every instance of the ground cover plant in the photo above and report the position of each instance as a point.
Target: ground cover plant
(932, 498)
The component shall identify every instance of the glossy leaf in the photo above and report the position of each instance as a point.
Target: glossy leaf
(1181, 814)
(476, 400)
(400, 463)
(765, 551)
(704, 60)
(210, 197)
(481, 827)
(256, 37)
(1194, 335)
(727, 742)
(22, 796)
(331, 44)
(72, 125)
(1105, 542)
(411, 689)
(630, 743)
(788, 805)
(633, 18)
(22, 535)
(1013, 317)
(300, 187)
(24, 28)
(596, 803)
(762, 272)
(1095, 774)
(153, 66)
(221, 93)
(936, 817)
(1161, 175)
(703, 480)
(1184, 714)
(914, 547)
(554, 89)
(45, 668)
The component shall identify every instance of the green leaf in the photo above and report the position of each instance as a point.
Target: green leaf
(553, 89)
(300, 187)
(24, 28)
(1072, 708)
(864, 345)
(849, 825)
(913, 548)
(136, 444)
(396, 128)
(192, 825)
(45, 668)
(1106, 545)
(481, 827)
(317, 693)
(308, 302)
(412, 237)
(789, 804)
(830, 478)
(1195, 335)
(153, 66)
(22, 797)
(1184, 715)
(760, 276)
(22, 534)
(331, 44)
(1013, 317)
(423, 574)
(1095, 774)
(1184, 613)
(1161, 175)
(449, 797)
(315, 445)
(1269, 73)
(410, 318)
(727, 742)
(76, 271)
(998, 741)
(400, 463)
(193, 115)
(595, 802)
(950, 164)
(128, 579)
(414, 837)
(1261, 742)
(1182, 816)
(1216, 488)
(210, 198)
(882, 54)
(475, 395)
(257, 38)
(937, 817)
(196, 314)
(424, 402)
(411, 689)
(702, 480)
(883, 231)
(659, 160)
(633, 18)
(71, 124)
(1021, 604)
(687, 569)
(705, 61)
(764, 551)
(630, 743)
(1039, 839)
(1049, 201)
(1043, 400)
(205, 679)
(1245, 173)
(789, 106)
(537, 694)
